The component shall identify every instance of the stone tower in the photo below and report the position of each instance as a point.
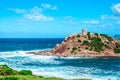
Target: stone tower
(84, 32)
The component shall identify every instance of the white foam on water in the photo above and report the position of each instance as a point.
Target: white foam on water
(44, 66)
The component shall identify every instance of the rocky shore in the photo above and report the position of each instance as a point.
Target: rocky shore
(50, 53)
(85, 44)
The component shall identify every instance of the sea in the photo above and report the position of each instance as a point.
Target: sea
(13, 53)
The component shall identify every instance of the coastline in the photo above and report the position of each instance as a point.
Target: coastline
(50, 53)
(44, 61)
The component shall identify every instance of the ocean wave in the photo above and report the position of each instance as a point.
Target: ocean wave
(64, 67)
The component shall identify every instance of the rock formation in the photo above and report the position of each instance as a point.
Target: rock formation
(88, 44)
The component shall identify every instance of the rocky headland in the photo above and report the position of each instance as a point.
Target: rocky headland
(86, 44)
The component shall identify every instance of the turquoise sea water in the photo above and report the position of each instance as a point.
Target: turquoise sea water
(13, 53)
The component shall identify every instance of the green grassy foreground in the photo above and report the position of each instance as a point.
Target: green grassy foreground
(7, 73)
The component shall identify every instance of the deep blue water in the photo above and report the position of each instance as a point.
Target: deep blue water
(12, 44)
(13, 53)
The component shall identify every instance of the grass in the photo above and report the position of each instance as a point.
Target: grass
(28, 77)
(32, 77)
(7, 73)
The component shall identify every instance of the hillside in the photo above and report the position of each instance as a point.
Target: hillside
(88, 44)
(7, 73)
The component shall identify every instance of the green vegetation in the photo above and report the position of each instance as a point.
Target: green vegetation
(86, 48)
(106, 36)
(79, 41)
(7, 73)
(68, 48)
(117, 45)
(73, 49)
(78, 36)
(96, 44)
(28, 77)
(9, 78)
(86, 42)
(106, 46)
(25, 72)
(96, 34)
(5, 70)
(117, 48)
(88, 34)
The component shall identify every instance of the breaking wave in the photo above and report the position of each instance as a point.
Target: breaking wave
(64, 67)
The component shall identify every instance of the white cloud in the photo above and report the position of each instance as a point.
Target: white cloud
(48, 6)
(34, 14)
(69, 20)
(38, 17)
(94, 22)
(116, 9)
(107, 17)
(36, 10)
(108, 25)
(54, 8)
(19, 11)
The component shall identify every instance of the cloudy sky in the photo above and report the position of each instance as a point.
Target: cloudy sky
(57, 18)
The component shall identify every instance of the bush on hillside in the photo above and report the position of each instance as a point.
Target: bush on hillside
(97, 44)
(5, 70)
(116, 50)
(108, 37)
(86, 42)
(88, 34)
(79, 41)
(117, 45)
(25, 72)
(78, 36)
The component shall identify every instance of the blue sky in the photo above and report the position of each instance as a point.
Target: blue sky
(57, 18)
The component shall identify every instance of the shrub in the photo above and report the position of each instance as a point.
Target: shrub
(25, 72)
(79, 41)
(68, 48)
(97, 44)
(78, 36)
(106, 36)
(91, 48)
(86, 48)
(74, 49)
(117, 45)
(5, 70)
(86, 42)
(106, 46)
(88, 34)
(96, 34)
(116, 50)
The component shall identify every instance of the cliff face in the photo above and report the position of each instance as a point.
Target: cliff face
(88, 44)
